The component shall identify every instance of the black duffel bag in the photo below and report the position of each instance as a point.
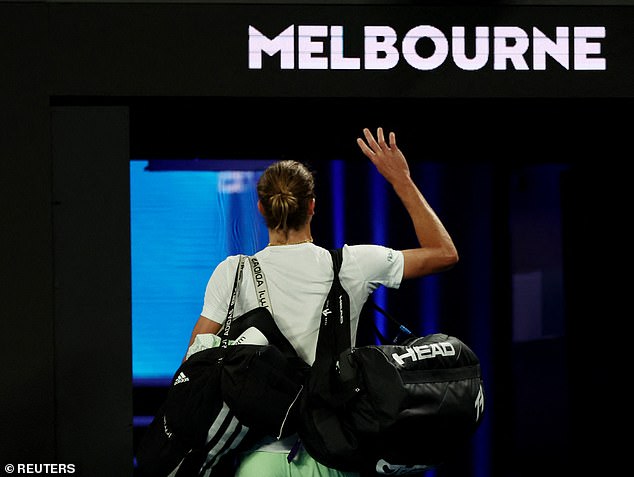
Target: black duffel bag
(225, 398)
(388, 409)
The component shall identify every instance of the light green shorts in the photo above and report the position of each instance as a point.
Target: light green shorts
(275, 464)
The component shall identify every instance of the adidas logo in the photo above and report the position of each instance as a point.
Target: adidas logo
(181, 378)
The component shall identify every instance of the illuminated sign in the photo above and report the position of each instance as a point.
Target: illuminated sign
(321, 47)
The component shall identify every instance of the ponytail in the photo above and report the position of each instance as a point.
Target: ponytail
(285, 190)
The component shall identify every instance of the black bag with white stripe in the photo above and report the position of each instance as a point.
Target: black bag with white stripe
(194, 429)
(224, 399)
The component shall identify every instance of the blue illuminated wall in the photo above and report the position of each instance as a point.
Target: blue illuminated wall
(183, 223)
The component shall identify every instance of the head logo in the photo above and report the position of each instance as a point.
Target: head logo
(426, 351)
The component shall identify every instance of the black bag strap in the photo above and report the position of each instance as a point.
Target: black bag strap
(232, 302)
(333, 340)
(334, 329)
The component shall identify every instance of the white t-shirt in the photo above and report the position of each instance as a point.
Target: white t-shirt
(298, 279)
